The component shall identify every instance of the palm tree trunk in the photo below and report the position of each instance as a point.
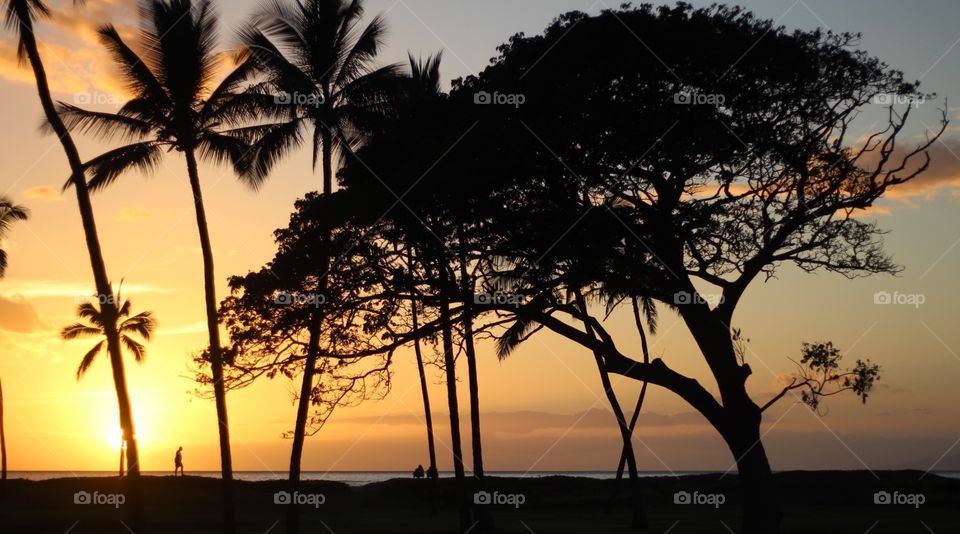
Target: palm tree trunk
(3, 448)
(216, 357)
(427, 413)
(483, 513)
(453, 405)
(101, 280)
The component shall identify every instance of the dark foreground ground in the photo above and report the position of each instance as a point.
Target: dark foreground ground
(822, 501)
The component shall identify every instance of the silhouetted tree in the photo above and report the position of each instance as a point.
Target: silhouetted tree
(319, 59)
(20, 16)
(176, 107)
(658, 166)
(142, 325)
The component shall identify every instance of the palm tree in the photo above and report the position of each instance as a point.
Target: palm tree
(316, 55)
(141, 325)
(20, 16)
(9, 213)
(176, 108)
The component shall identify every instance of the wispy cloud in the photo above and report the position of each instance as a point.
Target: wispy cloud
(132, 214)
(41, 288)
(43, 193)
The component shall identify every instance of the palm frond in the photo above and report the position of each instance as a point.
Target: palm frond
(106, 168)
(105, 126)
(135, 72)
(142, 324)
(88, 359)
(513, 336)
(78, 330)
(138, 350)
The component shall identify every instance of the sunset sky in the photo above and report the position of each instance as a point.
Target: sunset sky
(543, 408)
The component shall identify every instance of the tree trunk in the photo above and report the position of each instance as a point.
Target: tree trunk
(101, 280)
(643, 389)
(300, 428)
(741, 420)
(760, 510)
(427, 412)
(483, 513)
(216, 357)
(639, 516)
(313, 349)
(3, 448)
(452, 404)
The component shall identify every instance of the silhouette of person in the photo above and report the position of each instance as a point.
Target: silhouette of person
(432, 472)
(418, 472)
(178, 462)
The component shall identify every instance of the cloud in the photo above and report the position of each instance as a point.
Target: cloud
(41, 288)
(132, 214)
(943, 174)
(43, 193)
(18, 315)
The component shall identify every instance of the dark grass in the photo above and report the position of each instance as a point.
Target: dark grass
(824, 501)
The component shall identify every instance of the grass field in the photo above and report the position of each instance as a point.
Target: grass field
(830, 502)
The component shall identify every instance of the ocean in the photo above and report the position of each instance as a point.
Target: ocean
(359, 478)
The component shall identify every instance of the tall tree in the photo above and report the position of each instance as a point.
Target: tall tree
(9, 213)
(176, 107)
(20, 16)
(319, 58)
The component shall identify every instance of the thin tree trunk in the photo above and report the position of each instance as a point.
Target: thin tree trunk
(643, 388)
(454, 407)
(299, 431)
(313, 349)
(101, 280)
(427, 412)
(3, 448)
(484, 514)
(216, 356)
(122, 457)
(639, 517)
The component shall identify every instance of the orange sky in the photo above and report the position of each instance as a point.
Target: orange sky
(543, 408)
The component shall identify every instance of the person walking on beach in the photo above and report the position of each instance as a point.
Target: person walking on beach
(178, 462)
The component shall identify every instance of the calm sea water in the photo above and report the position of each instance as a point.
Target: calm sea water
(359, 478)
